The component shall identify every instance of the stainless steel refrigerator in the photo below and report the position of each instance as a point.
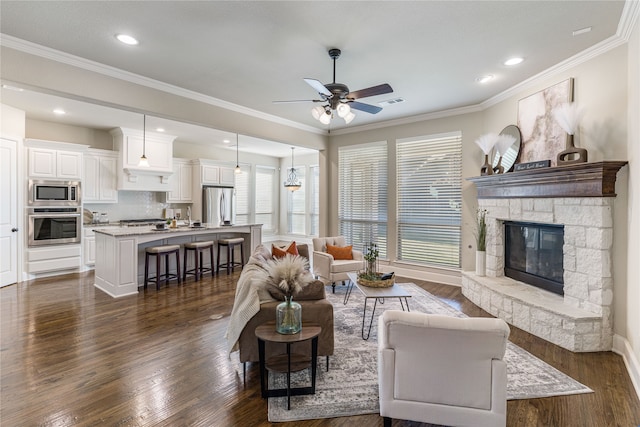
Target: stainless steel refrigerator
(218, 205)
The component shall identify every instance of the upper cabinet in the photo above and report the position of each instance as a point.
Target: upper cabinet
(99, 183)
(211, 173)
(180, 183)
(55, 160)
(158, 149)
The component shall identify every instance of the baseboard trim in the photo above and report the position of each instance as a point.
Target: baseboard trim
(622, 347)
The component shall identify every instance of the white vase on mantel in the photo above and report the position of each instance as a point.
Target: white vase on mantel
(481, 259)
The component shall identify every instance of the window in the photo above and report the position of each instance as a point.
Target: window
(243, 196)
(265, 200)
(429, 196)
(314, 200)
(362, 195)
(296, 205)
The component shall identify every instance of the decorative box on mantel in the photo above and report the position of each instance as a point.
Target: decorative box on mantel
(581, 199)
(597, 179)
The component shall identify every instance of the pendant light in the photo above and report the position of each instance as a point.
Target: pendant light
(292, 183)
(144, 163)
(237, 170)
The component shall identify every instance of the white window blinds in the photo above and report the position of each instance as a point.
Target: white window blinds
(265, 199)
(362, 195)
(296, 204)
(314, 197)
(243, 196)
(429, 197)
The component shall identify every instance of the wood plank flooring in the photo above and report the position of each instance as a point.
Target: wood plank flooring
(71, 355)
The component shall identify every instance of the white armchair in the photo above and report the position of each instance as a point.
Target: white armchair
(442, 370)
(330, 270)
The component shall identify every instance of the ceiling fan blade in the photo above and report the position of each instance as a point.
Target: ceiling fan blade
(370, 91)
(298, 100)
(318, 86)
(367, 108)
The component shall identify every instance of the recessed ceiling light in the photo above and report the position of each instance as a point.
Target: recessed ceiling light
(226, 141)
(484, 79)
(9, 87)
(59, 111)
(127, 39)
(160, 129)
(513, 61)
(581, 31)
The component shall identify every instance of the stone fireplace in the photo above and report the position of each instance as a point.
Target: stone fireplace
(581, 199)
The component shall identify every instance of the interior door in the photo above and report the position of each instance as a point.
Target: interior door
(8, 213)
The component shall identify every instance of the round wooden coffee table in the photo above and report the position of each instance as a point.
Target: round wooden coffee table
(287, 362)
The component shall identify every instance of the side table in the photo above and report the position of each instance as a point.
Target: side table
(287, 362)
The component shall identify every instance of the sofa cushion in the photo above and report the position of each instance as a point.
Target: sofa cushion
(346, 266)
(291, 248)
(340, 252)
(313, 290)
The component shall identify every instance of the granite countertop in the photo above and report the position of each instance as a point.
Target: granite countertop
(116, 231)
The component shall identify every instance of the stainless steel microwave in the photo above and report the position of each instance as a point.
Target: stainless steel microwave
(54, 193)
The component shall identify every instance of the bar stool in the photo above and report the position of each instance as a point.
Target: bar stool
(198, 248)
(158, 251)
(231, 260)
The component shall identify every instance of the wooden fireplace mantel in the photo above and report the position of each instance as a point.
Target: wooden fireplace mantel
(596, 179)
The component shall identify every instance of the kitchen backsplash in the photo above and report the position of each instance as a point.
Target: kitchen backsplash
(136, 205)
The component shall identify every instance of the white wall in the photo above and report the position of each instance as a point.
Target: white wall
(630, 303)
(12, 123)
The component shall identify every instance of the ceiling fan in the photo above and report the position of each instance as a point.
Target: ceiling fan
(337, 97)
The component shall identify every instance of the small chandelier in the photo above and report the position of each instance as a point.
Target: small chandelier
(237, 170)
(144, 163)
(292, 183)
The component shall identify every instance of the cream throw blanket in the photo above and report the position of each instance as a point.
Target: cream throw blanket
(250, 294)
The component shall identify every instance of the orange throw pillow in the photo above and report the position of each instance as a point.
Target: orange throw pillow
(340, 252)
(291, 248)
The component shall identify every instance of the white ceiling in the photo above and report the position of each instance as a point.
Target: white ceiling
(252, 53)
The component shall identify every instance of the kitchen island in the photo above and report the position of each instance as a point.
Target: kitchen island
(120, 251)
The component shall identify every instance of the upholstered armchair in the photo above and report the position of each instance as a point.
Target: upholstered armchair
(330, 268)
(442, 370)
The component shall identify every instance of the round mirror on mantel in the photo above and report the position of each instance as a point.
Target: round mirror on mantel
(511, 155)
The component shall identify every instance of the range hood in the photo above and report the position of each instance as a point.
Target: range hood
(158, 150)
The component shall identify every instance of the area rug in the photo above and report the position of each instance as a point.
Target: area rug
(350, 387)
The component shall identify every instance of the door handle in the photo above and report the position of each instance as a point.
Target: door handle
(13, 230)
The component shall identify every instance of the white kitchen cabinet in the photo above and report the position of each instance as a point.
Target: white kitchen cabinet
(227, 176)
(89, 246)
(211, 174)
(100, 179)
(157, 147)
(52, 258)
(55, 164)
(180, 182)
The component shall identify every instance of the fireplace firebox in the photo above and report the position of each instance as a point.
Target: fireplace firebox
(534, 254)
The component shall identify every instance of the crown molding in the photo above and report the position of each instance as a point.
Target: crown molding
(106, 70)
(408, 120)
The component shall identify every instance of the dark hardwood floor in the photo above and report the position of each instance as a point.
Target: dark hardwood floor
(72, 355)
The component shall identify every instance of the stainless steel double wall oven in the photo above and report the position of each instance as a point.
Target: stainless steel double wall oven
(54, 215)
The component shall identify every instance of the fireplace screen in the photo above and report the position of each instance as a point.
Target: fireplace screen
(533, 254)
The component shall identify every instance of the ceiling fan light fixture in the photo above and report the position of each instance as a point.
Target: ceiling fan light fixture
(325, 119)
(343, 110)
(349, 117)
(317, 112)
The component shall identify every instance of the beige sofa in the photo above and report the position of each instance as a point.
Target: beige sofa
(255, 306)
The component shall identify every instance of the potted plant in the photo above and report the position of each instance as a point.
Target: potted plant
(371, 277)
(481, 241)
